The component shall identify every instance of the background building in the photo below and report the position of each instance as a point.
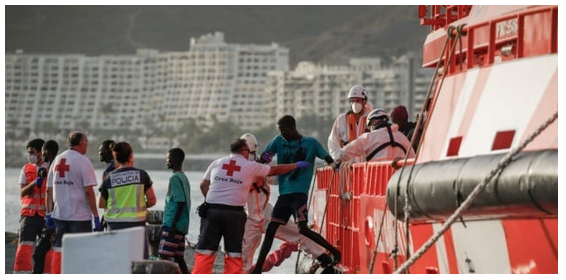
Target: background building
(249, 86)
(322, 90)
(213, 80)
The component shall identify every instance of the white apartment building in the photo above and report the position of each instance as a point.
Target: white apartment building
(213, 80)
(248, 85)
(322, 90)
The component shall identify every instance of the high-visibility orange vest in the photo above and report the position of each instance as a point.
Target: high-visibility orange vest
(353, 129)
(35, 202)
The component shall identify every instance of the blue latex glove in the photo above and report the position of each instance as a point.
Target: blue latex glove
(39, 182)
(97, 226)
(303, 164)
(49, 222)
(266, 157)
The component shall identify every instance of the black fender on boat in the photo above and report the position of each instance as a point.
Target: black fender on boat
(526, 188)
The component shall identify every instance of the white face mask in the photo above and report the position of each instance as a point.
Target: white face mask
(32, 159)
(357, 107)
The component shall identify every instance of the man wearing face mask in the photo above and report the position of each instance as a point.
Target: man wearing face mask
(32, 213)
(225, 187)
(348, 126)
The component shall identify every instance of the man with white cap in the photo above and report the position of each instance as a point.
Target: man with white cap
(258, 208)
(348, 126)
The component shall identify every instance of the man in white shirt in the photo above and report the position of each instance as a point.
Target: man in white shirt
(225, 186)
(382, 143)
(70, 183)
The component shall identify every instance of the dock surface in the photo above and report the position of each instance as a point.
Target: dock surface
(12, 244)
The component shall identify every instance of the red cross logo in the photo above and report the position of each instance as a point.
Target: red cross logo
(62, 167)
(231, 168)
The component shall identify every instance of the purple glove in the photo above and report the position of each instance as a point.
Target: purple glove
(303, 164)
(38, 182)
(266, 157)
(49, 222)
(97, 226)
(336, 165)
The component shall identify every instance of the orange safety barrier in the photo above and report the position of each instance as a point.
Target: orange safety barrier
(344, 221)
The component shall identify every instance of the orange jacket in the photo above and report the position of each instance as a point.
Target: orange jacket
(34, 202)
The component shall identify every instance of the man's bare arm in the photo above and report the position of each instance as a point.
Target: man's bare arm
(204, 185)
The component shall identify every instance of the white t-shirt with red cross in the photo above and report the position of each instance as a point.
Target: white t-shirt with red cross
(70, 173)
(230, 179)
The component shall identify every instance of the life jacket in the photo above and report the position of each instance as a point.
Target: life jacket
(35, 202)
(353, 129)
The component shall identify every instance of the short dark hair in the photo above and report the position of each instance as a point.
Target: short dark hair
(122, 152)
(75, 138)
(176, 156)
(36, 143)
(108, 143)
(52, 146)
(237, 145)
(287, 121)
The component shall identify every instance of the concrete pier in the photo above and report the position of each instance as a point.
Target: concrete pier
(12, 244)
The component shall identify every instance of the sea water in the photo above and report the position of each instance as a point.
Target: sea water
(160, 180)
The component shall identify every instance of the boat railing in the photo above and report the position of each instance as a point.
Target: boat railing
(439, 16)
(485, 38)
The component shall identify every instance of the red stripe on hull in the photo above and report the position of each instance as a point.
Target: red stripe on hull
(441, 118)
(533, 245)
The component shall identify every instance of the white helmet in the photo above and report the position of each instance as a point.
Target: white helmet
(251, 141)
(376, 113)
(358, 91)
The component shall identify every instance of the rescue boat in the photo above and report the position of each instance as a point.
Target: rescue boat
(481, 195)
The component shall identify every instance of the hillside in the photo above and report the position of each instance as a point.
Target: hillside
(324, 34)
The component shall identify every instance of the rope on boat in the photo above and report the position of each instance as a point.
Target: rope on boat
(377, 240)
(457, 39)
(479, 187)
